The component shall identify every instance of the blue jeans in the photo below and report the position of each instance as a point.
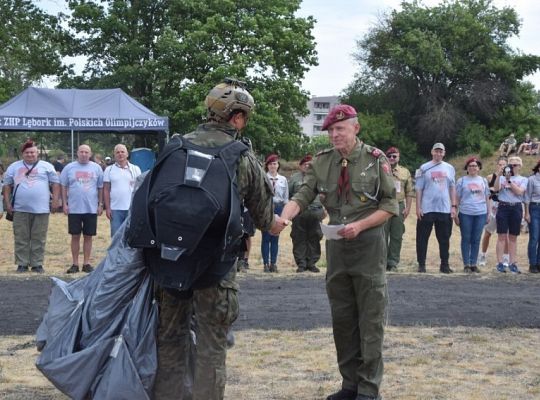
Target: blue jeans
(471, 227)
(270, 243)
(533, 248)
(117, 219)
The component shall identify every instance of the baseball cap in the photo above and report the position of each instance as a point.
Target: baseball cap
(438, 146)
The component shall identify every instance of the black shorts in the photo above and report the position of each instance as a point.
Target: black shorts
(85, 223)
(509, 218)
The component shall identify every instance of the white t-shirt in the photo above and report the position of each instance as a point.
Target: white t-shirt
(122, 182)
(435, 181)
(33, 192)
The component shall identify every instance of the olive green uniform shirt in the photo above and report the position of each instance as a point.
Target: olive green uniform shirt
(403, 183)
(372, 186)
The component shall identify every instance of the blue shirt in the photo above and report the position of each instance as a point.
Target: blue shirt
(82, 182)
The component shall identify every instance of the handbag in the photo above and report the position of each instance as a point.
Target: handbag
(9, 214)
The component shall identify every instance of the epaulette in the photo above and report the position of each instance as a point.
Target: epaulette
(375, 152)
(325, 151)
(379, 154)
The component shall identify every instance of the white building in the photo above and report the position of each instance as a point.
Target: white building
(318, 110)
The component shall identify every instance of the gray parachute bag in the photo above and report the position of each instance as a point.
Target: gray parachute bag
(98, 336)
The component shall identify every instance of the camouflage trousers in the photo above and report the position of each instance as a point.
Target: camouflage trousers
(214, 310)
(356, 288)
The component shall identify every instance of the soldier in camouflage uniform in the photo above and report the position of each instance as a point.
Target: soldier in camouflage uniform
(214, 309)
(355, 186)
(306, 231)
(395, 226)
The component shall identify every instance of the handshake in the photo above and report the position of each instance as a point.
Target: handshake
(278, 225)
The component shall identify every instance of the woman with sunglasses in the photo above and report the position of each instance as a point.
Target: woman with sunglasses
(473, 202)
(532, 216)
(511, 186)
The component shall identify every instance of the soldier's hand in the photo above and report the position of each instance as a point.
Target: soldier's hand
(278, 225)
(350, 231)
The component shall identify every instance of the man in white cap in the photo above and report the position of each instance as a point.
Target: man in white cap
(435, 205)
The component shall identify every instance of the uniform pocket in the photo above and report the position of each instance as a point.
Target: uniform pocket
(227, 306)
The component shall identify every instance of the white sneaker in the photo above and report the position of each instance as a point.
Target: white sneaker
(482, 259)
(506, 259)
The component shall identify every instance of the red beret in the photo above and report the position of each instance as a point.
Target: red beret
(307, 158)
(392, 150)
(29, 143)
(473, 159)
(340, 112)
(271, 158)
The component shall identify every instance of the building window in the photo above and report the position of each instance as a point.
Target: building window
(322, 105)
(316, 128)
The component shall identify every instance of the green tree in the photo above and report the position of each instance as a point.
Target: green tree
(169, 53)
(31, 46)
(440, 69)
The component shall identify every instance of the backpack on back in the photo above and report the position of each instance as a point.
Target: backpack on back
(186, 215)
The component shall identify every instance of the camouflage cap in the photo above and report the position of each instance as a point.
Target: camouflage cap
(340, 112)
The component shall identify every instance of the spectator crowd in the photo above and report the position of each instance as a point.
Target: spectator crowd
(505, 202)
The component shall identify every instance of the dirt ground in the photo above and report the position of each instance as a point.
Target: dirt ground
(299, 302)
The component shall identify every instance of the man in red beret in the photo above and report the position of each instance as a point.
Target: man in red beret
(27, 185)
(355, 186)
(395, 226)
(306, 231)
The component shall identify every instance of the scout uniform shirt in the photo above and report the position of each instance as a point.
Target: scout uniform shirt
(371, 184)
(402, 182)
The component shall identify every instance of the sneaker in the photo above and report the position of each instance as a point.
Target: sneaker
(21, 269)
(422, 269)
(514, 268)
(391, 268)
(246, 263)
(467, 269)
(273, 268)
(506, 259)
(313, 268)
(38, 269)
(87, 268)
(501, 267)
(482, 259)
(533, 269)
(343, 394)
(266, 268)
(73, 269)
(475, 269)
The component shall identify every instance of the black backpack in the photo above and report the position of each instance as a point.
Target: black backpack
(186, 215)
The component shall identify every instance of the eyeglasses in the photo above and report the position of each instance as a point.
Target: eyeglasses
(393, 156)
(515, 165)
(472, 165)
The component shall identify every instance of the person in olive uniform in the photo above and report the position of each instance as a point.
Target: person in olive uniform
(355, 185)
(395, 226)
(215, 308)
(306, 231)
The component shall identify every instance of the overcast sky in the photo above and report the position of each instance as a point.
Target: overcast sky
(341, 22)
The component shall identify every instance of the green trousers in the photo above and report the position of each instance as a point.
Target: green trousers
(30, 234)
(214, 310)
(306, 238)
(356, 287)
(394, 230)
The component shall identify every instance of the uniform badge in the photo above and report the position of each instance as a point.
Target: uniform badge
(363, 198)
(386, 168)
(340, 115)
(376, 153)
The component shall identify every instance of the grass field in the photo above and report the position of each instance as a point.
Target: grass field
(421, 362)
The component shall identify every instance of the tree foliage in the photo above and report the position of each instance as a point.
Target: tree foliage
(31, 45)
(169, 53)
(442, 69)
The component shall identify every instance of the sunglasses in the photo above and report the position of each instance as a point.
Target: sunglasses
(515, 165)
(393, 156)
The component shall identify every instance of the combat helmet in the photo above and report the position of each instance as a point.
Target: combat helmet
(226, 97)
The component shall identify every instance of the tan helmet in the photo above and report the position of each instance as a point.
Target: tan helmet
(226, 97)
